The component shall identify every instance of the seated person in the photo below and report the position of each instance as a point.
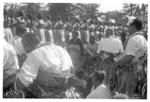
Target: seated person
(45, 68)
(76, 51)
(91, 49)
(99, 90)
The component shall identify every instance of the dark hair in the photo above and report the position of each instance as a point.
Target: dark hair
(59, 18)
(75, 32)
(92, 37)
(68, 19)
(20, 13)
(39, 16)
(29, 16)
(20, 31)
(48, 17)
(137, 23)
(31, 40)
(99, 76)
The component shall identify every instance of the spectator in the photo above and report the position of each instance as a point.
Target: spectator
(100, 90)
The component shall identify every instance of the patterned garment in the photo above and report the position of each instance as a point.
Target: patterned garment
(59, 37)
(106, 64)
(49, 36)
(107, 68)
(74, 51)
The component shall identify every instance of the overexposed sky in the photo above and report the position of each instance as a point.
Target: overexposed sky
(110, 6)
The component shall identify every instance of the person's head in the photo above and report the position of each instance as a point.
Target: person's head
(39, 16)
(92, 39)
(48, 17)
(58, 18)
(20, 31)
(134, 25)
(98, 78)
(30, 42)
(75, 34)
(100, 35)
(109, 32)
(29, 16)
(20, 14)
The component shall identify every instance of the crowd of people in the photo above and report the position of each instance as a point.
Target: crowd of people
(43, 58)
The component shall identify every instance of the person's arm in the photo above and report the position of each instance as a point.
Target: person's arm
(125, 60)
(28, 72)
(130, 53)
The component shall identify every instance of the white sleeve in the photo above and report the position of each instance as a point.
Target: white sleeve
(62, 33)
(99, 47)
(132, 47)
(87, 36)
(11, 62)
(29, 70)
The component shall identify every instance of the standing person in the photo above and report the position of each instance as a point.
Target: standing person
(68, 30)
(108, 48)
(48, 31)
(76, 51)
(91, 49)
(59, 32)
(85, 33)
(40, 31)
(136, 48)
(29, 25)
(76, 27)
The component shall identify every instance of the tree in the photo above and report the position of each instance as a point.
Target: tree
(31, 8)
(119, 17)
(60, 9)
(129, 9)
(86, 11)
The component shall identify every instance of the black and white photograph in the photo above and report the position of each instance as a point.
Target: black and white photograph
(75, 50)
